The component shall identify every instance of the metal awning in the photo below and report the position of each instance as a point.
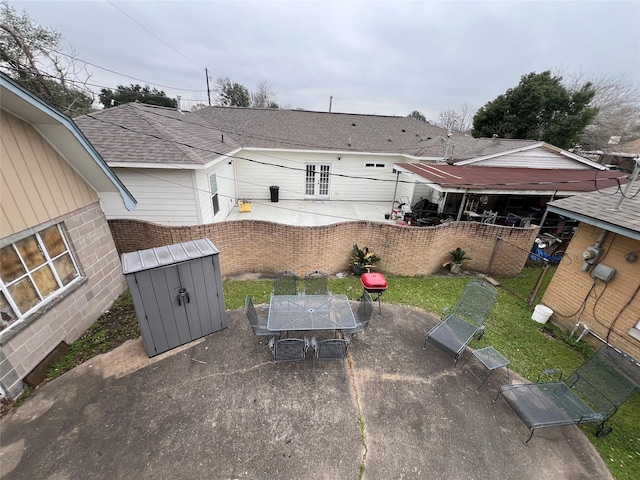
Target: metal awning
(510, 180)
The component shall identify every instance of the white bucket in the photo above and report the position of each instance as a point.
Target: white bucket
(541, 313)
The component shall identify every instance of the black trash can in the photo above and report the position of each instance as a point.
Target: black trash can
(274, 192)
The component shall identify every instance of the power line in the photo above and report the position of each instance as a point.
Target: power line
(150, 32)
(124, 75)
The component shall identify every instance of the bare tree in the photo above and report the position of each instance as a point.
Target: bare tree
(33, 56)
(263, 96)
(618, 102)
(457, 120)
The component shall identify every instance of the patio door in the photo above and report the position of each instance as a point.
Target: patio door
(317, 180)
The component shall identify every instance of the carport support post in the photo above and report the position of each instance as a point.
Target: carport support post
(462, 205)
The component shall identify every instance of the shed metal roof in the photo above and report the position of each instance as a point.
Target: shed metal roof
(167, 255)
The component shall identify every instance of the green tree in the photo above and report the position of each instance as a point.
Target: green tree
(135, 93)
(417, 115)
(31, 55)
(231, 94)
(538, 108)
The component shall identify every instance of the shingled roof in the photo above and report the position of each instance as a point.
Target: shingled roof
(139, 133)
(607, 209)
(309, 130)
(149, 134)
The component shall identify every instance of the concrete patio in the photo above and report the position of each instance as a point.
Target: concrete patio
(313, 213)
(217, 409)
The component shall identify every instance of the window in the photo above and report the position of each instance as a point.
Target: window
(213, 182)
(31, 271)
(374, 165)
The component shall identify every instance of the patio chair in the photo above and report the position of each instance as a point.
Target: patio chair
(592, 393)
(363, 316)
(333, 349)
(465, 321)
(289, 350)
(316, 283)
(285, 283)
(258, 323)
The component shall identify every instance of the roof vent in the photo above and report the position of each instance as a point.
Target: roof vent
(388, 139)
(353, 124)
(349, 142)
(495, 135)
(403, 130)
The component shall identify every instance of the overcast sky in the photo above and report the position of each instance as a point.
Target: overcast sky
(372, 57)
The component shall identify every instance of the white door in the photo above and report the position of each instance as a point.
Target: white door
(317, 180)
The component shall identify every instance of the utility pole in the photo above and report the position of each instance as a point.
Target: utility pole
(206, 72)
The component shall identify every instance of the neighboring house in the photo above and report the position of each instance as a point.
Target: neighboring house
(192, 168)
(514, 181)
(59, 269)
(601, 295)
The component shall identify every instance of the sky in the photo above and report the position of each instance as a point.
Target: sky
(367, 57)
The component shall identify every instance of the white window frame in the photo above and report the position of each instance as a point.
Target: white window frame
(375, 165)
(215, 201)
(49, 261)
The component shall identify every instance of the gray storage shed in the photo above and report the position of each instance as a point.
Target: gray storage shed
(177, 293)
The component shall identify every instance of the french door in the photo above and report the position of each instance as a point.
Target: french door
(317, 180)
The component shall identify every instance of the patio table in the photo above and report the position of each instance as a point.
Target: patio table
(310, 312)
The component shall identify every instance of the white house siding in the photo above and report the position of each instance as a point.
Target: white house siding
(226, 190)
(535, 158)
(287, 170)
(164, 196)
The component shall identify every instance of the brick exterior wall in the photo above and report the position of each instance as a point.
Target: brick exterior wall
(574, 295)
(255, 246)
(68, 318)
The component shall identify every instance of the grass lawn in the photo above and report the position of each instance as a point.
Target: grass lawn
(530, 346)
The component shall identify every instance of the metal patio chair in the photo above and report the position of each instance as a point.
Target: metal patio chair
(363, 316)
(289, 350)
(316, 283)
(285, 283)
(258, 323)
(465, 321)
(591, 394)
(333, 349)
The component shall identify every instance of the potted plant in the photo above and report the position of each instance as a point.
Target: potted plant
(362, 260)
(458, 260)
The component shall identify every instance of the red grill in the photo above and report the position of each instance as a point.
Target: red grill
(375, 284)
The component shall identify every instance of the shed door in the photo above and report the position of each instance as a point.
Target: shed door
(181, 304)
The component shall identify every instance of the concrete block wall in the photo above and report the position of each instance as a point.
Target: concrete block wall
(67, 318)
(265, 247)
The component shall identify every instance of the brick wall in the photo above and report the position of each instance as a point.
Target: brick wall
(256, 246)
(69, 317)
(609, 310)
